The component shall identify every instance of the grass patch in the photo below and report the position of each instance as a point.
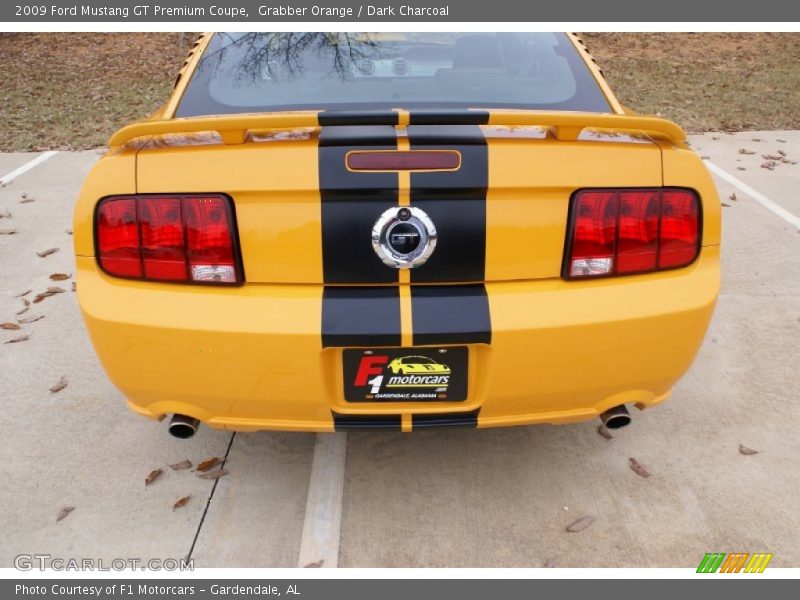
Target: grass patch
(72, 90)
(705, 81)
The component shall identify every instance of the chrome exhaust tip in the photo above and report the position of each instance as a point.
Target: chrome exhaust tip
(616, 418)
(183, 427)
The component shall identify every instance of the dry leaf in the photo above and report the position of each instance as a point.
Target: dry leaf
(769, 165)
(62, 383)
(745, 151)
(21, 338)
(184, 464)
(747, 451)
(8, 231)
(24, 310)
(781, 152)
(315, 565)
(26, 200)
(60, 276)
(51, 291)
(638, 468)
(21, 294)
(48, 252)
(4, 214)
(726, 205)
(64, 512)
(214, 474)
(31, 319)
(209, 464)
(772, 156)
(756, 139)
(732, 197)
(10, 326)
(781, 141)
(68, 231)
(605, 432)
(741, 169)
(580, 524)
(181, 502)
(153, 476)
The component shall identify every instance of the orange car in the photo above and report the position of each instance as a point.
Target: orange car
(309, 208)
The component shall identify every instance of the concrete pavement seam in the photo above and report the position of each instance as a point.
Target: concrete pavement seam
(208, 501)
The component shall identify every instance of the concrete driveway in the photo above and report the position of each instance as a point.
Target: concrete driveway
(432, 498)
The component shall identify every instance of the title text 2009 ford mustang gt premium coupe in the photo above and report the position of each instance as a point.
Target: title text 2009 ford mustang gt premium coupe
(334, 231)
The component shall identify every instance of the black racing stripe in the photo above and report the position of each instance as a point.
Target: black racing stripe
(455, 201)
(469, 419)
(352, 202)
(351, 117)
(350, 205)
(449, 117)
(348, 136)
(365, 422)
(360, 316)
(450, 314)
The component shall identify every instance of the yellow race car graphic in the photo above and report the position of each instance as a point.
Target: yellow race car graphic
(409, 365)
(310, 213)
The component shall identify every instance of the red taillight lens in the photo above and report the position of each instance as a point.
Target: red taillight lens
(210, 244)
(168, 238)
(118, 237)
(163, 253)
(638, 231)
(595, 229)
(679, 224)
(619, 232)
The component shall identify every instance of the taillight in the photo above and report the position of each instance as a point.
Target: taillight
(626, 231)
(163, 247)
(118, 237)
(187, 238)
(209, 241)
(679, 235)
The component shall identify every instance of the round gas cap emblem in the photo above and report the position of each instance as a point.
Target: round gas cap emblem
(404, 237)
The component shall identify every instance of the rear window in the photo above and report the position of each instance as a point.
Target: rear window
(262, 72)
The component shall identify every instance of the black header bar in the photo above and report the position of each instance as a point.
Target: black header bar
(441, 11)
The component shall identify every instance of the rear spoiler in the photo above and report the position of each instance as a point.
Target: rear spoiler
(566, 126)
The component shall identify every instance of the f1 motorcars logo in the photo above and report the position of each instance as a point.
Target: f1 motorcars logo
(411, 371)
(735, 562)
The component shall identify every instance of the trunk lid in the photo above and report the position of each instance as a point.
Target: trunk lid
(305, 217)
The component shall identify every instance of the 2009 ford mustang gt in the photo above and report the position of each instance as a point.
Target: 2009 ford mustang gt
(312, 219)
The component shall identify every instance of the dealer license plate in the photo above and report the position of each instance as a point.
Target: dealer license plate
(406, 374)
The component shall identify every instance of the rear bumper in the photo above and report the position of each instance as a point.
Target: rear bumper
(251, 358)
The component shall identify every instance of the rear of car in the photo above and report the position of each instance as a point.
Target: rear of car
(344, 231)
